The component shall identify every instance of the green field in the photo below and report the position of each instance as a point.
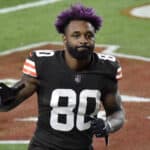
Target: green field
(35, 25)
(13, 147)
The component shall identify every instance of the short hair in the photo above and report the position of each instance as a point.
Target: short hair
(77, 12)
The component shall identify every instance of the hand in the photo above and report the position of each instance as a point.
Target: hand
(7, 93)
(100, 127)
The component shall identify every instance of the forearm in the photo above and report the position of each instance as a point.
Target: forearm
(114, 111)
(25, 88)
(9, 105)
(116, 120)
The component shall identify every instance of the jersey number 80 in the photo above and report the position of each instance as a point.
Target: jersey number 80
(68, 111)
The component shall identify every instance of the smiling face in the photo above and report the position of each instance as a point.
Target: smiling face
(79, 39)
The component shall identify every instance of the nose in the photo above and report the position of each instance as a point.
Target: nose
(83, 40)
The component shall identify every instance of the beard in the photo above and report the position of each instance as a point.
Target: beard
(80, 52)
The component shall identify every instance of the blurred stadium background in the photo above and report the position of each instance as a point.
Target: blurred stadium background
(36, 24)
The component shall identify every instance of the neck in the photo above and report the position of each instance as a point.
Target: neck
(76, 64)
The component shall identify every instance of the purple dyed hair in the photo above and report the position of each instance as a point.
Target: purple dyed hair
(77, 12)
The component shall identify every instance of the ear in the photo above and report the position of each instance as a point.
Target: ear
(64, 38)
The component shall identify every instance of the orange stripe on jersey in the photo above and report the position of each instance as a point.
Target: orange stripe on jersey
(29, 68)
(26, 71)
(119, 74)
(29, 65)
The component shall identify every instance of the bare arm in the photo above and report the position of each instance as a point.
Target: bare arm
(114, 111)
(30, 86)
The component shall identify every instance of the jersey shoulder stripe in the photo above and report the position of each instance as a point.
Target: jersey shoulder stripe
(29, 68)
(36, 57)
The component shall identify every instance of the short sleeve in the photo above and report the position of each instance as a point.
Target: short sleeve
(119, 74)
(29, 67)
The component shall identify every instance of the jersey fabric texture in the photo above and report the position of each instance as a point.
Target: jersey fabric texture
(68, 99)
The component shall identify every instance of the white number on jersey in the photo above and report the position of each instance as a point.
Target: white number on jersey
(107, 57)
(44, 53)
(68, 110)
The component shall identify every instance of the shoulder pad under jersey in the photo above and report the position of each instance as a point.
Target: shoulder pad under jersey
(111, 65)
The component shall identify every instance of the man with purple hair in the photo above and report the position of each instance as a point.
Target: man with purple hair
(71, 86)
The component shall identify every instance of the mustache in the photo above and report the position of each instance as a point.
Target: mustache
(84, 46)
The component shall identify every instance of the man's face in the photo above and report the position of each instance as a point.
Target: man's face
(79, 39)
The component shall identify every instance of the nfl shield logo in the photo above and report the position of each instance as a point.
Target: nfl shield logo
(77, 78)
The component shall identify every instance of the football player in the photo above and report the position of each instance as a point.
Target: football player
(72, 85)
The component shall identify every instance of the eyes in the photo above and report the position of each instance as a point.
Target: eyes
(88, 35)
